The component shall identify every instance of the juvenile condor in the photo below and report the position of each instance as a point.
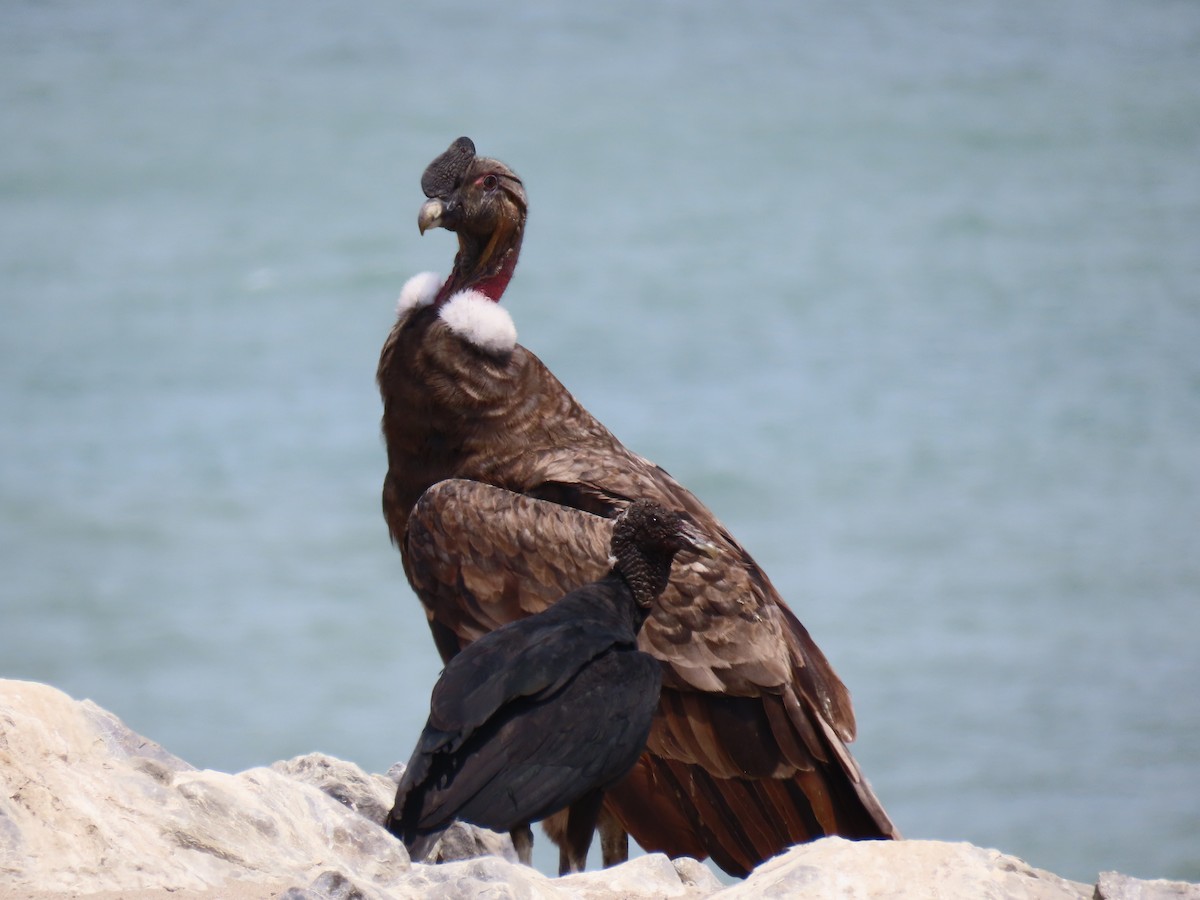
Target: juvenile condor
(546, 712)
(500, 493)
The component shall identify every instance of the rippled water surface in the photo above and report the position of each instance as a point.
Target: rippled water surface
(910, 295)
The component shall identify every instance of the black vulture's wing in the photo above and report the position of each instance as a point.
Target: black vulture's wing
(534, 758)
(527, 660)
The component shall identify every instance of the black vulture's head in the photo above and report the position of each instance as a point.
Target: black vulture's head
(645, 539)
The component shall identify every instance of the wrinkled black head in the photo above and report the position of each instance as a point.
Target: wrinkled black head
(446, 172)
(645, 539)
(651, 527)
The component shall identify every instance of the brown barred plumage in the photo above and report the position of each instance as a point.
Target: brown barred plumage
(500, 492)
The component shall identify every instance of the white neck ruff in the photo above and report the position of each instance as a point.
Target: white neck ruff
(480, 321)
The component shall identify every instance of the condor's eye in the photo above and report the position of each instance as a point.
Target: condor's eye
(490, 181)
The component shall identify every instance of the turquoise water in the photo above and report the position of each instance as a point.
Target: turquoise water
(909, 295)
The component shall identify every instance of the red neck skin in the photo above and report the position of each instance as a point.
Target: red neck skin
(490, 285)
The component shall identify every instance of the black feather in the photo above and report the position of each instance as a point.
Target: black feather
(532, 716)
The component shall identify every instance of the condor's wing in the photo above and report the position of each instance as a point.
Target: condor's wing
(747, 753)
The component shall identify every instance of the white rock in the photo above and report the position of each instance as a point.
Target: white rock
(1115, 886)
(463, 841)
(901, 870)
(651, 877)
(471, 879)
(373, 795)
(87, 806)
(368, 795)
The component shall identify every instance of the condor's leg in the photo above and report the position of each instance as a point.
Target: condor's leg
(614, 839)
(581, 825)
(522, 839)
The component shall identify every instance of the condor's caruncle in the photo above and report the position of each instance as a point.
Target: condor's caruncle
(500, 493)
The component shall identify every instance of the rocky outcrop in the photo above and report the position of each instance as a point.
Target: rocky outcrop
(838, 868)
(88, 806)
(372, 796)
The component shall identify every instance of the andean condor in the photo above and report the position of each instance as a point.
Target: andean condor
(500, 492)
(546, 712)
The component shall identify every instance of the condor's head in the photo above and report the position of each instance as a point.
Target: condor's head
(484, 203)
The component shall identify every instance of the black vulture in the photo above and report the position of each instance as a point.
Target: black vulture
(500, 492)
(545, 713)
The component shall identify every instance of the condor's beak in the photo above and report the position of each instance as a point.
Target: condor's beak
(431, 214)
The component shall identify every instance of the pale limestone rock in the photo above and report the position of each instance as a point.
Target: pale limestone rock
(695, 875)
(373, 795)
(901, 870)
(485, 877)
(1115, 886)
(650, 877)
(367, 795)
(463, 841)
(335, 886)
(88, 806)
